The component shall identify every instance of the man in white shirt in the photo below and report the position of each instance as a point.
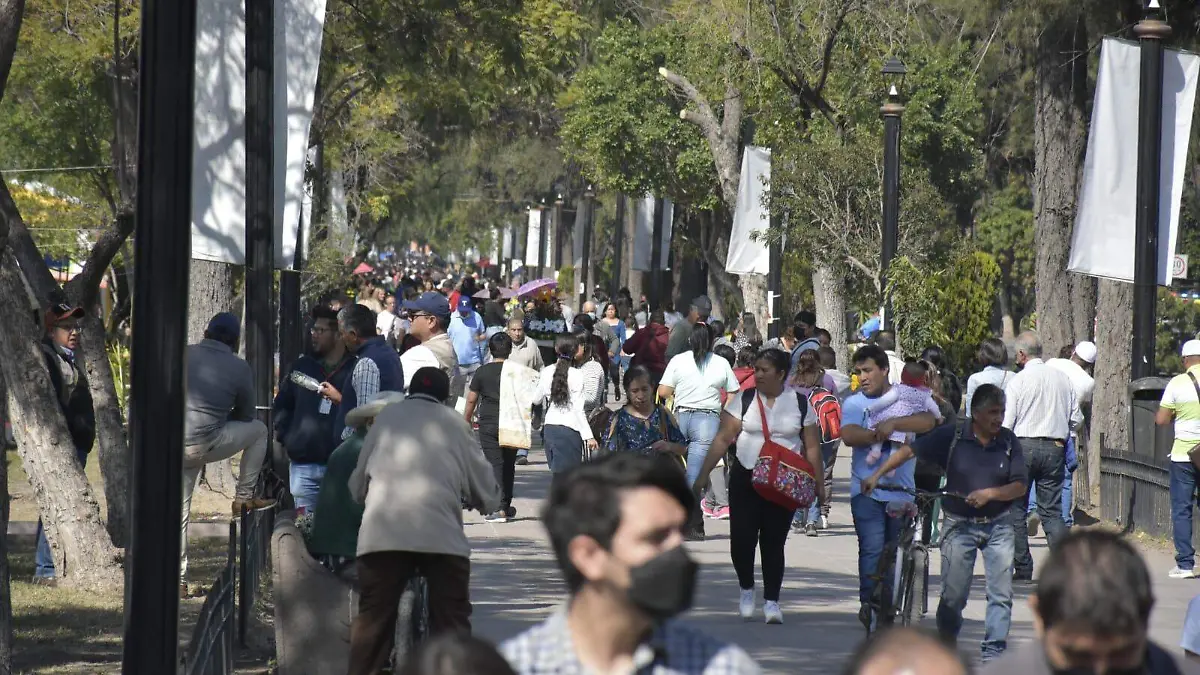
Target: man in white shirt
(886, 340)
(385, 321)
(1041, 411)
(1078, 369)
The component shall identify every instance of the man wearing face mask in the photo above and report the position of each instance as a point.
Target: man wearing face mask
(1092, 614)
(616, 525)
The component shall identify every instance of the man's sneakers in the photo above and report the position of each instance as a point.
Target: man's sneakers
(522, 460)
(746, 606)
(250, 505)
(824, 524)
(497, 517)
(810, 529)
(1033, 522)
(1180, 573)
(772, 612)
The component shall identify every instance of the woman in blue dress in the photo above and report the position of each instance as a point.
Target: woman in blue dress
(642, 425)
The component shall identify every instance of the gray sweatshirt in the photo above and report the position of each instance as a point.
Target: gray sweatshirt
(220, 388)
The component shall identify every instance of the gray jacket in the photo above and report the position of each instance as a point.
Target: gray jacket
(220, 388)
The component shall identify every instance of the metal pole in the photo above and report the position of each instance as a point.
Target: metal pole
(162, 249)
(1150, 31)
(558, 234)
(589, 215)
(891, 111)
(543, 235)
(618, 242)
(291, 321)
(655, 255)
(260, 203)
(774, 281)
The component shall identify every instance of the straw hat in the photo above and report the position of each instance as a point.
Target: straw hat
(367, 412)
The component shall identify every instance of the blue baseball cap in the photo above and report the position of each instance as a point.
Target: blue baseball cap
(225, 325)
(464, 304)
(431, 302)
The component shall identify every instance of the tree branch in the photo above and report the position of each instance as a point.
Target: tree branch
(703, 116)
(84, 289)
(830, 41)
(26, 252)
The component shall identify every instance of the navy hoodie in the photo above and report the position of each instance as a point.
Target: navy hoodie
(308, 435)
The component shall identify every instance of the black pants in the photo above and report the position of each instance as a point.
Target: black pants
(504, 464)
(756, 522)
(1047, 462)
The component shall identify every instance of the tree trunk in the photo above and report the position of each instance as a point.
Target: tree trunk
(829, 291)
(1066, 303)
(83, 554)
(754, 296)
(1110, 402)
(6, 634)
(111, 440)
(211, 292)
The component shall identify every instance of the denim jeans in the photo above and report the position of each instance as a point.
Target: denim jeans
(1046, 461)
(305, 482)
(1068, 492)
(828, 455)
(43, 558)
(1183, 498)
(699, 427)
(960, 541)
(875, 530)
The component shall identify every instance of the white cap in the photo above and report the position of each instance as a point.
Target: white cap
(1086, 351)
(1190, 348)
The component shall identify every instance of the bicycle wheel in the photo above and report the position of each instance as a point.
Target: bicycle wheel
(914, 584)
(412, 620)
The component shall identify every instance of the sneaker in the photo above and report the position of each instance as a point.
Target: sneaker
(746, 605)
(810, 529)
(798, 523)
(240, 505)
(497, 517)
(522, 460)
(512, 512)
(824, 524)
(721, 513)
(1180, 573)
(694, 534)
(772, 612)
(1033, 522)
(707, 509)
(865, 617)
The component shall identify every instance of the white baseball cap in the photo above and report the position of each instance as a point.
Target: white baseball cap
(1190, 348)
(1086, 351)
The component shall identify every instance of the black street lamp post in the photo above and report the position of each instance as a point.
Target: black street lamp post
(589, 214)
(892, 111)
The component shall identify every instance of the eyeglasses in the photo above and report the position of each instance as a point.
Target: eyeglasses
(70, 328)
(316, 330)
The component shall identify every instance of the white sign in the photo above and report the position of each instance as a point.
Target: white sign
(643, 235)
(749, 254)
(1179, 266)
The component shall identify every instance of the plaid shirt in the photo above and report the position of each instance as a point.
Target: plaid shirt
(673, 649)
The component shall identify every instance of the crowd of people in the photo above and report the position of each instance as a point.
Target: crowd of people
(652, 424)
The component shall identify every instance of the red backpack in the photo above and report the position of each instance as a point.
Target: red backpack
(828, 410)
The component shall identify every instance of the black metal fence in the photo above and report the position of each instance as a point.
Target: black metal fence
(255, 559)
(232, 596)
(1135, 489)
(210, 649)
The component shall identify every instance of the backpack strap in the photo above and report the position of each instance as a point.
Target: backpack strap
(804, 405)
(747, 399)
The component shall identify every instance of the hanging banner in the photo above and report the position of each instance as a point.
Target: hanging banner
(219, 146)
(643, 234)
(748, 254)
(1103, 242)
(535, 237)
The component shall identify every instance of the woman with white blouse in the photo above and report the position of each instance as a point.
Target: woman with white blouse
(755, 522)
(993, 356)
(590, 367)
(565, 428)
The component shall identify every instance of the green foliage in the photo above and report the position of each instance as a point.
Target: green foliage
(1178, 322)
(1004, 228)
(967, 296)
(918, 317)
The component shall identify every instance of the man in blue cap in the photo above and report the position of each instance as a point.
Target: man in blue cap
(220, 419)
(468, 334)
(430, 317)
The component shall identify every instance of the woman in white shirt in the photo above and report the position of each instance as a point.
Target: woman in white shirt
(993, 356)
(592, 370)
(565, 427)
(754, 521)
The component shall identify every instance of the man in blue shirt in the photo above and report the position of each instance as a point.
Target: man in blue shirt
(468, 334)
(983, 461)
(871, 522)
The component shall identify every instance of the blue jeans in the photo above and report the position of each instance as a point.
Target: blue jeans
(828, 455)
(305, 483)
(1068, 489)
(1046, 461)
(960, 541)
(699, 427)
(1183, 498)
(43, 558)
(875, 531)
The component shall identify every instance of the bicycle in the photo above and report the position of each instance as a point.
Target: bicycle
(905, 561)
(412, 620)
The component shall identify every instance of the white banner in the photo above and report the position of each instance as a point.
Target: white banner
(535, 237)
(1104, 239)
(219, 149)
(643, 234)
(749, 255)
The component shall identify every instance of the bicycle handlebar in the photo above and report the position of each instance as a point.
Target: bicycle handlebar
(892, 487)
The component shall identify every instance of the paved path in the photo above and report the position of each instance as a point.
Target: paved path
(515, 583)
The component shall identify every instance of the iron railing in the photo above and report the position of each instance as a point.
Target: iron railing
(255, 559)
(210, 649)
(1135, 491)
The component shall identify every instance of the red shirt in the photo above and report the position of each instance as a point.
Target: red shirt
(745, 377)
(648, 347)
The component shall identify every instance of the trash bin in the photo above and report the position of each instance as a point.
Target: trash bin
(1145, 437)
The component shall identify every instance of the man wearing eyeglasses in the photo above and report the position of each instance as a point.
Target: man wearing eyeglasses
(430, 317)
(74, 399)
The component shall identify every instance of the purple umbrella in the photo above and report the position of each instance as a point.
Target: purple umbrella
(531, 287)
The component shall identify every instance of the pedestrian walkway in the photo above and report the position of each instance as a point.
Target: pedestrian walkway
(515, 583)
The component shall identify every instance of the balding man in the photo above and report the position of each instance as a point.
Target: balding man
(904, 650)
(1041, 411)
(603, 330)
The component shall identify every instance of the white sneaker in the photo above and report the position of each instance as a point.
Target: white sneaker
(772, 612)
(1178, 573)
(746, 606)
(824, 525)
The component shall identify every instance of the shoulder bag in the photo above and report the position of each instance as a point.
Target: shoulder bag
(1194, 451)
(782, 476)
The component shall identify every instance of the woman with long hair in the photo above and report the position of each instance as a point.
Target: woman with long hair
(747, 334)
(643, 425)
(755, 522)
(589, 366)
(697, 379)
(611, 316)
(809, 375)
(565, 428)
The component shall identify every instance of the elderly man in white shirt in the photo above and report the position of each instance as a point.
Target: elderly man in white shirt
(1078, 369)
(1041, 410)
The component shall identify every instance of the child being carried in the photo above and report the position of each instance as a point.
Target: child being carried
(911, 397)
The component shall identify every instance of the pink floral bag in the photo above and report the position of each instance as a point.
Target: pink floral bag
(782, 476)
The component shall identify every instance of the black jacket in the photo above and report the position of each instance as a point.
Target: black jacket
(74, 398)
(306, 433)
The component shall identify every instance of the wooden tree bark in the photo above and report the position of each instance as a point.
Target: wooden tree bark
(6, 633)
(211, 292)
(1110, 401)
(1066, 303)
(829, 292)
(112, 443)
